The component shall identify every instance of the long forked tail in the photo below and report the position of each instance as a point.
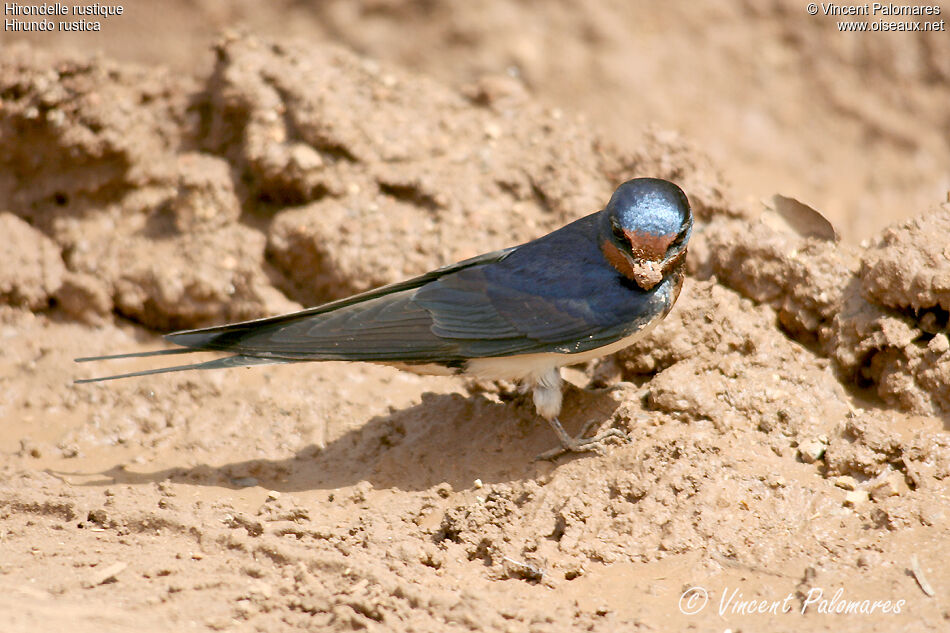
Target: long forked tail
(158, 352)
(238, 360)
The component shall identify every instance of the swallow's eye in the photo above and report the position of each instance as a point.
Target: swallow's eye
(618, 233)
(676, 247)
(676, 243)
(680, 239)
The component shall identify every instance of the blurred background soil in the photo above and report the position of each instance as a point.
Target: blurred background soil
(854, 125)
(203, 162)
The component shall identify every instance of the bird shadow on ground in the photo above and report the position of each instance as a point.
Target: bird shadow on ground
(446, 438)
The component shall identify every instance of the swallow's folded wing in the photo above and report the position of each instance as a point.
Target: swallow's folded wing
(494, 305)
(490, 311)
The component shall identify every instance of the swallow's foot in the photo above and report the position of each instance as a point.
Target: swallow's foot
(579, 444)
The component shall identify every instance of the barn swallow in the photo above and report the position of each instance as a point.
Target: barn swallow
(586, 290)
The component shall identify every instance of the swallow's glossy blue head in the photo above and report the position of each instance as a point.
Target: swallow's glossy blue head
(644, 229)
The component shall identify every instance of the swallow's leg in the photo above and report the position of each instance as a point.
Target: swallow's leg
(547, 399)
(578, 444)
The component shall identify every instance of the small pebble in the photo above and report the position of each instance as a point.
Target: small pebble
(890, 486)
(855, 498)
(939, 344)
(810, 451)
(846, 482)
(106, 574)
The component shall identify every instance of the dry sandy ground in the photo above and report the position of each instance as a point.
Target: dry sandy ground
(787, 422)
